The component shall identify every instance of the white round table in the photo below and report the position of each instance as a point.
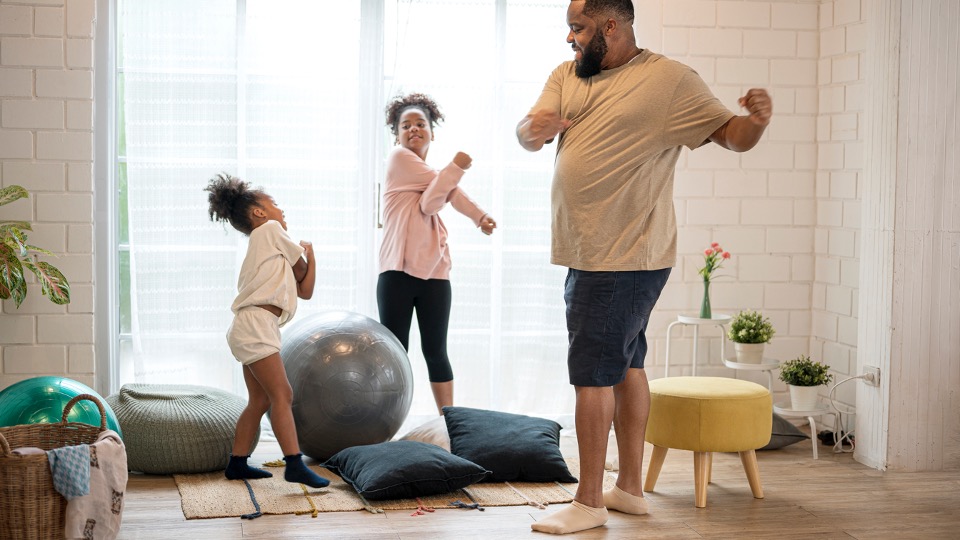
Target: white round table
(718, 319)
(783, 409)
(767, 365)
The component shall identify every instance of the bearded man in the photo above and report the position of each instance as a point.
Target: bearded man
(622, 115)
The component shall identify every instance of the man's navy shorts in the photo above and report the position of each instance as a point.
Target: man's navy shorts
(607, 315)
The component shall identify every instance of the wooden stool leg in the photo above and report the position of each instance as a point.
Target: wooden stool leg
(653, 470)
(749, 460)
(709, 467)
(700, 467)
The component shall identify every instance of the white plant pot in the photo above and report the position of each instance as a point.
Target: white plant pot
(749, 353)
(803, 398)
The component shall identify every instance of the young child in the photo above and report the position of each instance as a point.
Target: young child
(414, 255)
(275, 272)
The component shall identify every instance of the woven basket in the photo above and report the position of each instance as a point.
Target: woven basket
(30, 507)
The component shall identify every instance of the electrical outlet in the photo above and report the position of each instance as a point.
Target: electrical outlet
(871, 375)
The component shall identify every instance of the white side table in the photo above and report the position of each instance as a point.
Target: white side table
(718, 319)
(783, 409)
(767, 365)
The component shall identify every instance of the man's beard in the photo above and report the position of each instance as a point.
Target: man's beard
(591, 58)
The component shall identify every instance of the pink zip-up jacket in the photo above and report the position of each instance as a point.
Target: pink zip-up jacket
(414, 238)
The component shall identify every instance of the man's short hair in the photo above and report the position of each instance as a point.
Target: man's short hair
(621, 9)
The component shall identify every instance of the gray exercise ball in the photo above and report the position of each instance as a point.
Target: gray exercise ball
(351, 378)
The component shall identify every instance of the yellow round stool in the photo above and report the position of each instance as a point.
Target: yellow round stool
(706, 415)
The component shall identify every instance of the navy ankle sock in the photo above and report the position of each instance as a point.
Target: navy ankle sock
(297, 471)
(238, 469)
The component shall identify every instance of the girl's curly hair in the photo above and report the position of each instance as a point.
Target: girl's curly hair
(231, 200)
(401, 103)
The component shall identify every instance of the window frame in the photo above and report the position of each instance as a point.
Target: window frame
(108, 339)
(106, 201)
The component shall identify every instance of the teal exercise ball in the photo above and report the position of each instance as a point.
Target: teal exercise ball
(42, 399)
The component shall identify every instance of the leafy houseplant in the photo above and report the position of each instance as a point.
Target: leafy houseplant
(750, 331)
(16, 255)
(803, 376)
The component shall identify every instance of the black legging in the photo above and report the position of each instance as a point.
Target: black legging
(398, 294)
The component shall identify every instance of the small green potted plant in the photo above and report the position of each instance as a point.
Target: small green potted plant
(16, 255)
(750, 331)
(804, 377)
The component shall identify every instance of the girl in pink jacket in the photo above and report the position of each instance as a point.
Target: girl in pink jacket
(414, 256)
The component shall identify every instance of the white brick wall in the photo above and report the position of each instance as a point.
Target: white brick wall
(761, 205)
(789, 209)
(27, 113)
(46, 139)
(839, 134)
(794, 16)
(48, 21)
(16, 20)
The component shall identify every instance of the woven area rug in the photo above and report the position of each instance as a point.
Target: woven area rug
(211, 495)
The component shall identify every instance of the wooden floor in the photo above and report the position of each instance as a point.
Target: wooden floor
(833, 497)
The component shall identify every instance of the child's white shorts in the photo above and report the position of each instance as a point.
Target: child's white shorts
(254, 334)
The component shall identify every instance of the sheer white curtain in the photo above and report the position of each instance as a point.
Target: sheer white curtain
(290, 95)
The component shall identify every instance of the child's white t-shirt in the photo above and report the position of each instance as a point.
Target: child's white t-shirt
(266, 276)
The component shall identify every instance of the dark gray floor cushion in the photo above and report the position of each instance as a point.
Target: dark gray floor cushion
(403, 470)
(784, 434)
(512, 446)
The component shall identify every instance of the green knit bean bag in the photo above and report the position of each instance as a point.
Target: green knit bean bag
(177, 428)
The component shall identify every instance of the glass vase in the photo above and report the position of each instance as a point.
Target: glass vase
(705, 312)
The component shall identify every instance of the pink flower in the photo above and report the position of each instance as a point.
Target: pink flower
(713, 258)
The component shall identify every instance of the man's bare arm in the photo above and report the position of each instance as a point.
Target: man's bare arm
(741, 133)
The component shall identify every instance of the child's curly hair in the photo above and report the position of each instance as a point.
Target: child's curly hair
(231, 200)
(401, 103)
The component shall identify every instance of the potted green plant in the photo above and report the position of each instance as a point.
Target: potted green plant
(750, 331)
(16, 255)
(804, 377)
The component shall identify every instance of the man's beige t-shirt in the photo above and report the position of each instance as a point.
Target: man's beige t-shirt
(612, 193)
